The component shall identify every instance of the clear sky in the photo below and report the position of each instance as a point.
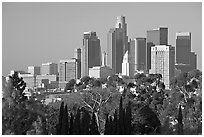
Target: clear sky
(36, 33)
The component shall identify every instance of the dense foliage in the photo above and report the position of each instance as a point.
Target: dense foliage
(112, 106)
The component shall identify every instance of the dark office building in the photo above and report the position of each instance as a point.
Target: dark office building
(115, 49)
(155, 37)
(91, 52)
(77, 55)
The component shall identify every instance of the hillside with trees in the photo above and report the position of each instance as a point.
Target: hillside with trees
(112, 106)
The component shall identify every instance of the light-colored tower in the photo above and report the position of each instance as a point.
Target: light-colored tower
(163, 62)
(67, 71)
(49, 69)
(157, 36)
(91, 52)
(34, 70)
(128, 68)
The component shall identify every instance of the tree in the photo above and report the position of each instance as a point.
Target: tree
(77, 123)
(180, 123)
(85, 122)
(107, 130)
(70, 85)
(16, 118)
(59, 125)
(128, 119)
(94, 126)
(71, 124)
(64, 125)
(85, 80)
(145, 121)
(121, 129)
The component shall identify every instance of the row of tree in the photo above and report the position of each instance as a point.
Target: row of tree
(81, 123)
(120, 124)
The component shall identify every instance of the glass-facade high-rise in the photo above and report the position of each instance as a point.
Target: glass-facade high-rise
(157, 36)
(185, 59)
(91, 52)
(77, 56)
(117, 44)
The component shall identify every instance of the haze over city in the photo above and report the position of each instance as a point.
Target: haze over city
(34, 33)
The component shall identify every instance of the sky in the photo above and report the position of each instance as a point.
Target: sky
(36, 33)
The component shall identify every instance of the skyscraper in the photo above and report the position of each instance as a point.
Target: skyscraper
(183, 47)
(115, 49)
(163, 62)
(157, 36)
(77, 56)
(117, 44)
(137, 53)
(91, 52)
(185, 59)
(49, 69)
(120, 23)
(67, 71)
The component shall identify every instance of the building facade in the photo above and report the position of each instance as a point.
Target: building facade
(34, 70)
(67, 71)
(91, 52)
(128, 67)
(117, 44)
(115, 49)
(51, 79)
(49, 68)
(185, 59)
(163, 62)
(157, 36)
(77, 56)
(120, 23)
(100, 72)
(137, 53)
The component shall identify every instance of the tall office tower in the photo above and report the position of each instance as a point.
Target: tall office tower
(115, 49)
(185, 59)
(34, 70)
(67, 71)
(77, 56)
(163, 62)
(157, 36)
(137, 53)
(183, 47)
(91, 52)
(49, 69)
(120, 23)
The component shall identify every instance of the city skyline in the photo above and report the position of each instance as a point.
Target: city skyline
(28, 33)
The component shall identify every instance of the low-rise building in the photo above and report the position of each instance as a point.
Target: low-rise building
(100, 72)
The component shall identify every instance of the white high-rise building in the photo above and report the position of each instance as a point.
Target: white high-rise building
(163, 62)
(128, 68)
